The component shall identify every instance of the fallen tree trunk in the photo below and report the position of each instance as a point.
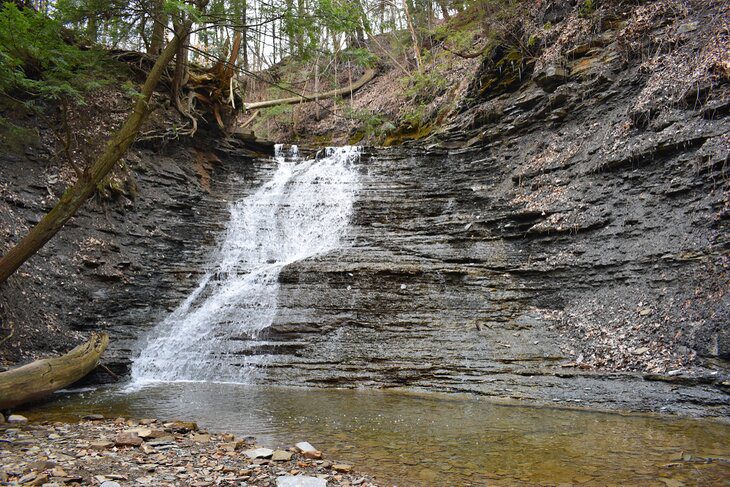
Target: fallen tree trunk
(369, 75)
(43, 377)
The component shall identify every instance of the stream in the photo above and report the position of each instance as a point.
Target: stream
(408, 439)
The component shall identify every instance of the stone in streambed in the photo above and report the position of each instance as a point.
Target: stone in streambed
(128, 438)
(182, 426)
(110, 483)
(300, 481)
(281, 456)
(308, 451)
(259, 453)
(342, 467)
(17, 418)
(101, 444)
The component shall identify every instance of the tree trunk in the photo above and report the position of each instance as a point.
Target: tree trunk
(444, 9)
(85, 186)
(414, 37)
(42, 377)
(158, 28)
(369, 74)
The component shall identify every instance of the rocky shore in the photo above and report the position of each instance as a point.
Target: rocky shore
(122, 452)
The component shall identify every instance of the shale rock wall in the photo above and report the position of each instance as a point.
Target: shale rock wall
(119, 264)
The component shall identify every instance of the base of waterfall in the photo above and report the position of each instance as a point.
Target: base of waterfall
(401, 437)
(119, 452)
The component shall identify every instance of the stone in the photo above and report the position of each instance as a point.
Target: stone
(200, 438)
(26, 479)
(141, 432)
(342, 467)
(281, 456)
(2, 418)
(305, 446)
(101, 444)
(93, 417)
(688, 27)
(300, 481)
(182, 426)
(110, 483)
(17, 418)
(259, 453)
(127, 438)
(641, 350)
(551, 77)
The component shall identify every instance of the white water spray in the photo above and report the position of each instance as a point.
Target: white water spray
(300, 213)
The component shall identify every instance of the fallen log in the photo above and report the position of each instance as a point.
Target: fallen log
(43, 377)
(365, 78)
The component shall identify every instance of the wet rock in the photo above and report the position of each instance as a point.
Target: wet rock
(93, 417)
(300, 481)
(342, 467)
(182, 426)
(17, 419)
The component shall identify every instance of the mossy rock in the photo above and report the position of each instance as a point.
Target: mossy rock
(407, 132)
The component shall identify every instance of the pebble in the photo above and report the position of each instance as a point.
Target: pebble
(85, 454)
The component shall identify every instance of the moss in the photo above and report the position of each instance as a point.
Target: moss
(15, 139)
(120, 182)
(407, 132)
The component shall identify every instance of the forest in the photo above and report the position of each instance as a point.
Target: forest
(311, 243)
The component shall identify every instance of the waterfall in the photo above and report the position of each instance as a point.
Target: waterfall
(301, 212)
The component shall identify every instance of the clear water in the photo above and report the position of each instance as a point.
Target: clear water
(410, 439)
(300, 213)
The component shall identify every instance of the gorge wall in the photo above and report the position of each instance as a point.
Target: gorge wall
(563, 238)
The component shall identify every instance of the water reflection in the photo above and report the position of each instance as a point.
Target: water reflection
(415, 439)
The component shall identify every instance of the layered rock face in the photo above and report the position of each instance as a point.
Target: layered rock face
(565, 239)
(119, 265)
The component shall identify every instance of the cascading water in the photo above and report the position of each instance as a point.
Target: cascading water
(300, 213)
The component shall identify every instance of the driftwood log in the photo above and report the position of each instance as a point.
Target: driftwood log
(42, 377)
(364, 79)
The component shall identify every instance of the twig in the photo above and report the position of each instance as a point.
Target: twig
(12, 331)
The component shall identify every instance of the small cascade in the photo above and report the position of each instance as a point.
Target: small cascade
(301, 212)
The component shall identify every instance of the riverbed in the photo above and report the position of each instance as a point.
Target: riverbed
(412, 438)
